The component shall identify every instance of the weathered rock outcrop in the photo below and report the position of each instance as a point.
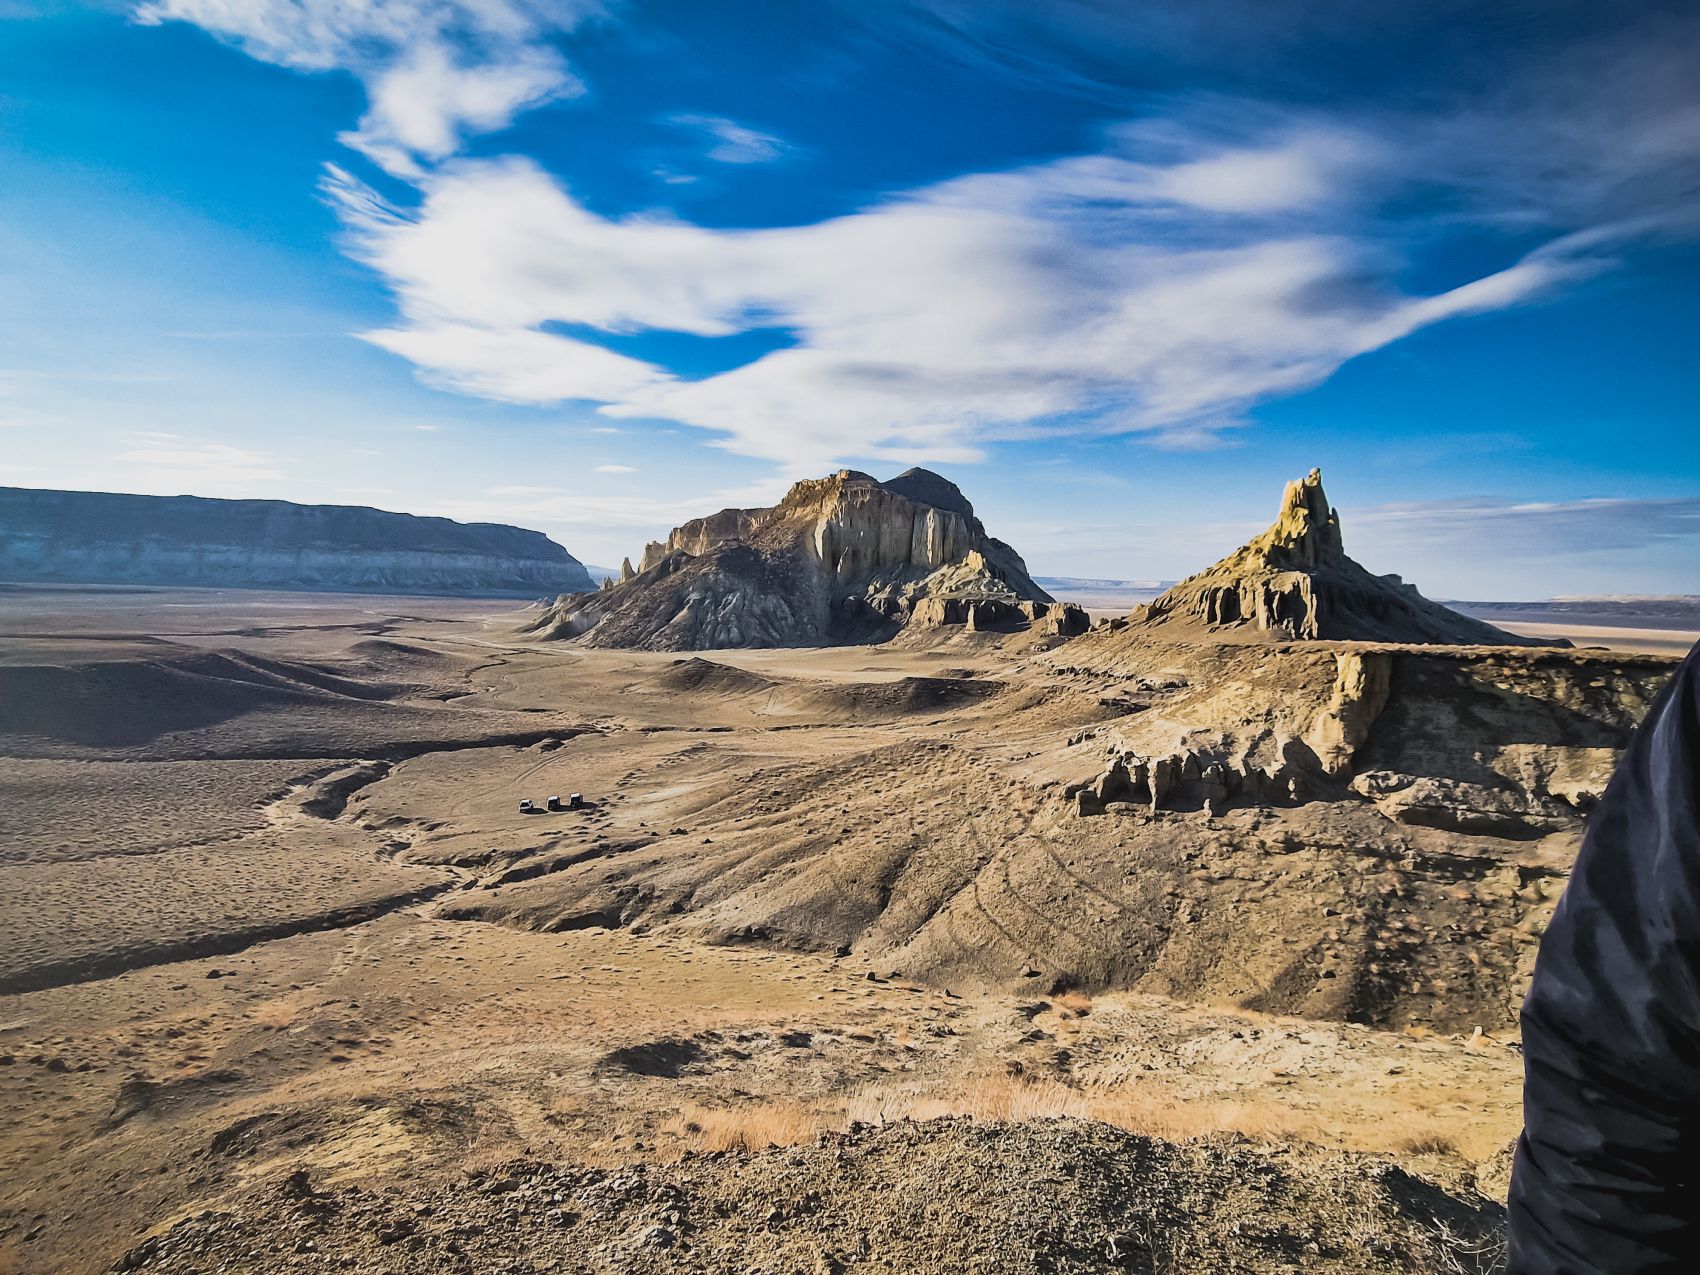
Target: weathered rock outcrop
(842, 558)
(1295, 582)
(111, 538)
(1512, 744)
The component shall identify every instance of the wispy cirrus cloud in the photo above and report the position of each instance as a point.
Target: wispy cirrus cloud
(1534, 529)
(159, 457)
(730, 142)
(435, 71)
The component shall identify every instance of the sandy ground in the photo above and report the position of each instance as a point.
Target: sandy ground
(266, 935)
(1614, 638)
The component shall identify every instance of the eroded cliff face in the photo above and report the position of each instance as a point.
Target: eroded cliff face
(189, 540)
(1295, 581)
(840, 558)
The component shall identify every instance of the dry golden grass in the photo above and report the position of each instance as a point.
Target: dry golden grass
(490, 1154)
(756, 1125)
(274, 1014)
(749, 1127)
(1072, 1004)
(1004, 1097)
(1417, 1133)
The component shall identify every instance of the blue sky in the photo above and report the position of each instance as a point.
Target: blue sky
(1119, 270)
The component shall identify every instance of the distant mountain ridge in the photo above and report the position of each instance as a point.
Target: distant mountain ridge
(1084, 582)
(116, 538)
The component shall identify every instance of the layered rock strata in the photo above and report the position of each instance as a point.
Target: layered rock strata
(103, 537)
(842, 558)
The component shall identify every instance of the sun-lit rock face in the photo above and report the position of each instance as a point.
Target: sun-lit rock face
(192, 540)
(1296, 582)
(841, 558)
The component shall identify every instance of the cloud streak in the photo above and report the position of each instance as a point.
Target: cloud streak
(435, 71)
(1160, 287)
(731, 142)
(1534, 529)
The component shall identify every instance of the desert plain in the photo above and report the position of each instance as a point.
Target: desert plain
(836, 967)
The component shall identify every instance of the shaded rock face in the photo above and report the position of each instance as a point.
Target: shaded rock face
(840, 559)
(1296, 582)
(191, 540)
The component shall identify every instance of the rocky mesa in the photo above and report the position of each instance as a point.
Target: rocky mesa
(845, 558)
(111, 538)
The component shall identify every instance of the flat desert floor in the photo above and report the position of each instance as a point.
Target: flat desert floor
(275, 923)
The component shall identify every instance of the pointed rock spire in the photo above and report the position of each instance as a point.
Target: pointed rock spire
(626, 572)
(1295, 582)
(1306, 533)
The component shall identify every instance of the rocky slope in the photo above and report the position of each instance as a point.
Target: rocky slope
(112, 538)
(1342, 832)
(842, 558)
(1062, 1197)
(1295, 581)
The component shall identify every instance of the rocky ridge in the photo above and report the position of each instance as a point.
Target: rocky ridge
(1296, 582)
(842, 558)
(105, 537)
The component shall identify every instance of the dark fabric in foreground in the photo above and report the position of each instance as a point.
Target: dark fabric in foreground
(1606, 1179)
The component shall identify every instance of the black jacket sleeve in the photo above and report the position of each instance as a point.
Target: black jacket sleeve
(1606, 1180)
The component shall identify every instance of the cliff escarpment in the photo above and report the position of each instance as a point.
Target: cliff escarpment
(111, 538)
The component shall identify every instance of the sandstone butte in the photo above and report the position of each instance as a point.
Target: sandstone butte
(845, 558)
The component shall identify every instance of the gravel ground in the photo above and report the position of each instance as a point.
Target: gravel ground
(1060, 1197)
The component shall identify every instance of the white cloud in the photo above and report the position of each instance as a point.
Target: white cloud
(435, 71)
(731, 142)
(650, 515)
(1531, 529)
(1201, 262)
(1151, 288)
(154, 458)
(615, 469)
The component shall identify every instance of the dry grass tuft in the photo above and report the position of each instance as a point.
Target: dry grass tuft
(275, 1015)
(1072, 1004)
(758, 1124)
(1431, 1143)
(1004, 1097)
(749, 1127)
(482, 1157)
